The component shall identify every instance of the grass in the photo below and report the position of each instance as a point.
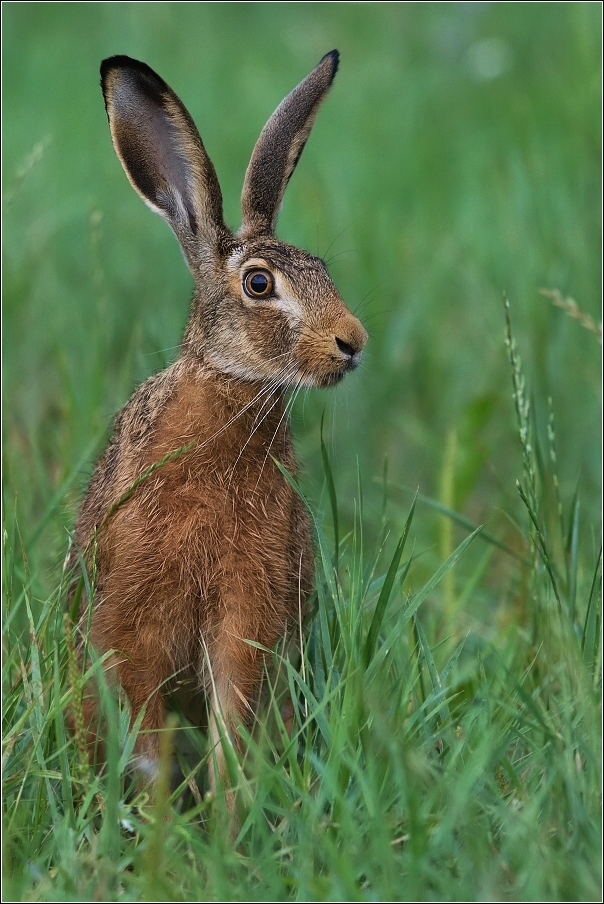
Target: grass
(446, 738)
(420, 766)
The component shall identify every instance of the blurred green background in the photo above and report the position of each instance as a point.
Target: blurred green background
(457, 157)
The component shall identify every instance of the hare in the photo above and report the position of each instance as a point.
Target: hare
(200, 545)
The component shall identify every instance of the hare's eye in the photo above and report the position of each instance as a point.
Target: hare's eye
(258, 283)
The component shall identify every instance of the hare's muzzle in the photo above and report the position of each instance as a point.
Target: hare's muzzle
(326, 354)
(350, 339)
(343, 348)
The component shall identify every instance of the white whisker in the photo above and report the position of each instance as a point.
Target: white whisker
(286, 410)
(257, 423)
(265, 388)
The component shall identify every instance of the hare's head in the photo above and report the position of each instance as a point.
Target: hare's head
(263, 310)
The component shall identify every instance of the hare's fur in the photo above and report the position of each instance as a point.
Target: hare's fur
(200, 545)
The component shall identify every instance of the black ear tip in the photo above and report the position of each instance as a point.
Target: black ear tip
(121, 70)
(128, 64)
(334, 57)
(114, 62)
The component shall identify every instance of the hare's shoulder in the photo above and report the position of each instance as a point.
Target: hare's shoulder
(136, 424)
(134, 430)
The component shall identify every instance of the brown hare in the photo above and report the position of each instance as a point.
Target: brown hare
(199, 542)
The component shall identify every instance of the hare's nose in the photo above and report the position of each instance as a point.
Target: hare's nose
(345, 347)
(351, 352)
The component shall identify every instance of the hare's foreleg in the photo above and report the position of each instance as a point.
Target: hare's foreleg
(142, 680)
(235, 672)
(142, 685)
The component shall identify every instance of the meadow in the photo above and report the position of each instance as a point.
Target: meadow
(446, 740)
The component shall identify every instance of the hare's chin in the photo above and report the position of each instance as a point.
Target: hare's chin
(324, 381)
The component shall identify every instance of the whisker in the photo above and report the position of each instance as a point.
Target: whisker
(376, 315)
(332, 243)
(286, 410)
(262, 391)
(367, 298)
(258, 423)
(338, 254)
(161, 351)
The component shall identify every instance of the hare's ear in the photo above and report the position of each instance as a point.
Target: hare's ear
(279, 147)
(161, 152)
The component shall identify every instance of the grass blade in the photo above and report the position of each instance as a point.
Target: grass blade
(333, 500)
(384, 597)
(418, 598)
(591, 631)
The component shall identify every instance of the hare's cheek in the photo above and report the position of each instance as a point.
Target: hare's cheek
(271, 337)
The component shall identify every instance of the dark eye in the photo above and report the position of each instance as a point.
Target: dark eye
(258, 283)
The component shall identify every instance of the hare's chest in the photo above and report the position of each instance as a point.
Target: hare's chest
(217, 523)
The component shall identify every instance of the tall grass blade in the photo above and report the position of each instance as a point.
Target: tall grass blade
(464, 522)
(439, 698)
(384, 597)
(418, 598)
(572, 555)
(59, 495)
(333, 499)
(541, 543)
(59, 721)
(592, 625)
(36, 674)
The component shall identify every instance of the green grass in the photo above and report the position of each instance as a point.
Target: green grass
(446, 739)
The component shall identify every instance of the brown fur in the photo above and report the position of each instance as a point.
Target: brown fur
(199, 554)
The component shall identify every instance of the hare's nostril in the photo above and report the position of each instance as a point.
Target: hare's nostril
(345, 348)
